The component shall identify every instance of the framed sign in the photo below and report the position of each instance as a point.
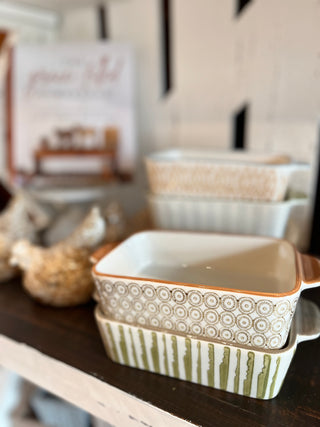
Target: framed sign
(72, 111)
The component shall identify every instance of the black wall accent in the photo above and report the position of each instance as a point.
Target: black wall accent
(166, 45)
(240, 5)
(103, 27)
(315, 229)
(240, 119)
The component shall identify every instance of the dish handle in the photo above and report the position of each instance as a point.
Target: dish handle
(308, 325)
(310, 269)
(102, 251)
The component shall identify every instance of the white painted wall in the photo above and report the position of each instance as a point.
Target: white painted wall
(268, 57)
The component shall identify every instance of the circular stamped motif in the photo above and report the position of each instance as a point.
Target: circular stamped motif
(246, 305)
(152, 307)
(163, 293)
(261, 324)
(155, 322)
(138, 306)
(121, 288)
(141, 320)
(195, 298)
(196, 328)
(182, 326)
(166, 309)
(125, 304)
(180, 311)
(227, 319)
(117, 316)
(134, 290)
(167, 323)
(242, 337)
(264, 308)
(211, 300)
(211, 331)
(277, 325)
(258, 340)
(149, 292)
(274, 341)
(229, 302)
(113, 302)
(211, 316)
(282, 308)
(226, 334)
(195, 314)
(107, 287)
(244, 321)
(179, 295)
(129, 318)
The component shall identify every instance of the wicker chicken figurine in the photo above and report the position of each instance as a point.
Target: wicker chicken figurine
(60, 275)
(22, 219)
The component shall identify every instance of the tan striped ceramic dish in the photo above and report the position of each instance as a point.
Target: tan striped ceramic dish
(236, 289)
(230, 175)
(238, 369)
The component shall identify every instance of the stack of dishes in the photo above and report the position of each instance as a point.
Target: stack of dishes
(208, 308)
(233, 192)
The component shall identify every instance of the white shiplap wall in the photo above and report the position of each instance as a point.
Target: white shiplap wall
(268, 57)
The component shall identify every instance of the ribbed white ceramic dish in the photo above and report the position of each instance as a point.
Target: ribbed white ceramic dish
(238, 369)
(231, 175)
(226, 216)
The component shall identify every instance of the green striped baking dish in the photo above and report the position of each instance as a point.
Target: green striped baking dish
(238, 369)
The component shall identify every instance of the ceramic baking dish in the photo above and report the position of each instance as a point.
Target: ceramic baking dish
(233, 174)
(226, 216)
(236, 289)
(238, 369)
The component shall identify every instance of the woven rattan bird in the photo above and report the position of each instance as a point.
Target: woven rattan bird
(60, 275)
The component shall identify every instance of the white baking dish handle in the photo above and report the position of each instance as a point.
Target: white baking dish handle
(310, 271)
(308, 321)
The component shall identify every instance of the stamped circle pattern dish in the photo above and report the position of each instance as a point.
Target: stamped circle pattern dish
(260, 321)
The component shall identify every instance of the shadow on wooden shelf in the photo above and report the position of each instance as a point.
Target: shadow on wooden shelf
(71, 336)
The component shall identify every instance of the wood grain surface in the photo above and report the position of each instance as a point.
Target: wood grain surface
(71, 336)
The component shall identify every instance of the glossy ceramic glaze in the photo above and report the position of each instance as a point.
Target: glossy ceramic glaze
(226, 216)
(232, 175)
(237, 289)
(238, 369)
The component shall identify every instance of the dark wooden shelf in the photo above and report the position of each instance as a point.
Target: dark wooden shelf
(50, 336)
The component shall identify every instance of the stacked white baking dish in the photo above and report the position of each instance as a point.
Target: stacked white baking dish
(233, 192)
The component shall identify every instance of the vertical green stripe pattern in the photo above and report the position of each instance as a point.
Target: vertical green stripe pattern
(133, 349)
(210, 371)
(123, 346)
(237, 373)
(199, 363)
(263, 377)
(143, 350)
(224, 368)
(247, 383)
(187, 359)
(155, 353)
(125, 349)
(274, 379)
(175, 362)
(165, 355)
(113, 344)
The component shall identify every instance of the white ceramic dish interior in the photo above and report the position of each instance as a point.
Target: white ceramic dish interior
(238, 369)
(238, 289)
(235, 175)
(223, 216)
